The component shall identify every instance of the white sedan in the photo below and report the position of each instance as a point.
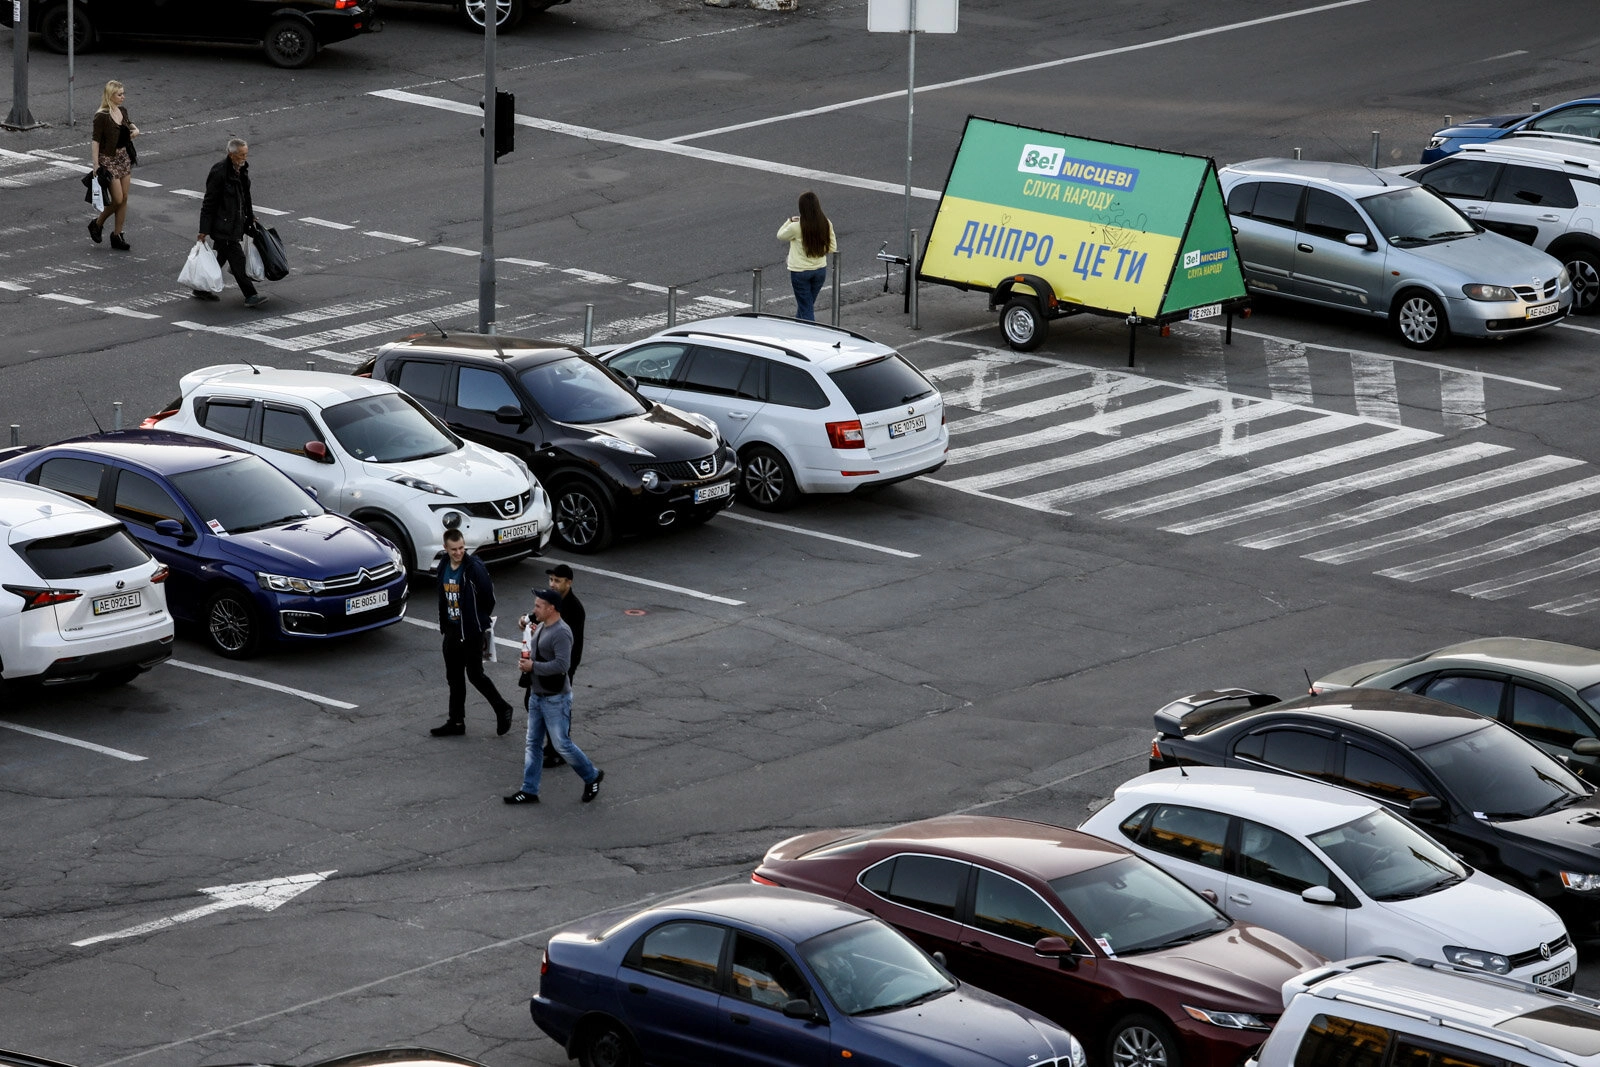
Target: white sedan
(372, 453)
(1333, 870)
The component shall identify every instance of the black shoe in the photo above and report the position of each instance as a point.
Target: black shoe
(96, 231)
(255, 300)
(502, 720)
(120, 243)
(592, 789)
(449, 729)
(201, 294)
(519, 797)
(553, 760)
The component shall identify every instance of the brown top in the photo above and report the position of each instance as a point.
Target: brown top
(107, 133)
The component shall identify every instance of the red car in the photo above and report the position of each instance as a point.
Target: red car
(1144, 970)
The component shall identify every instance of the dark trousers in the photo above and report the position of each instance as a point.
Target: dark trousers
(461, 665)
(230, 253)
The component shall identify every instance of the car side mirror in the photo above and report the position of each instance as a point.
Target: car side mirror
(1210, 894)
(1356, 240)
(1426, 808)
(798, 1009)
(318, 451)
(1319, 894)
(938, 957)
(633, 383)
(312, 491)
(1586, 746)
(1057, 948)
(174, 529)
(511, 415)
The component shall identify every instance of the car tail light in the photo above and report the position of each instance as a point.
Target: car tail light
(150, 421)
(42, 598)
(760, 880)
(847, 434)
(544, 961)
(340, 5)
(1155, 751)
(160, 575)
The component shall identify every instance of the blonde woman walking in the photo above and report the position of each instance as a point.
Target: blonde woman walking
(810, 237)
(111, 147)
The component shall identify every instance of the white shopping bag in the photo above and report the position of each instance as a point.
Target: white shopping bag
(252, 262)
(97, 195)
(491, 648)
(201, 270)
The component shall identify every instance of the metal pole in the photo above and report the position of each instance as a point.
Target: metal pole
(1374, 149)
(755, 290)
(911, 110)
(672, 305)
(1297, 153)
(911, 281)
(116, 414)
(72, 44)
(311, 364)
(491, 15)
(20, 117)
(1448, 121)
(16, 434)
(834, 318)
(588, 325)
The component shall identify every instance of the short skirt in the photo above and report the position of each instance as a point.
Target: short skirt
(117, 165)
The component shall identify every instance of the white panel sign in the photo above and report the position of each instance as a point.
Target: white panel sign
(894, 16)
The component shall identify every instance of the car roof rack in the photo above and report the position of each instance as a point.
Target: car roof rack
(690, 331)
(789, 318)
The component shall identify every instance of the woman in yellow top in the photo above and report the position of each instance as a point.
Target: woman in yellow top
(111, 147)
(810, 237)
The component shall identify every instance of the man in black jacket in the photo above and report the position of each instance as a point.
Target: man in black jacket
(226, 213)
(466, 601)
(572, 614)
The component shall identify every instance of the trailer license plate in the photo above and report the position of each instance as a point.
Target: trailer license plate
(107, 605)
(1551, 977)
(1210, 311)
(1539, 311)
(900, 429)
(516, 533)
(366, 602)
(712, 492)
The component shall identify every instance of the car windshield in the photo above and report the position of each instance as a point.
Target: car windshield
(1130, 906)
(102, 550)
(576, 390)
(883, 383)
(868, 967)
(391, 428)
(1496, 773)
(1416, 216)
(1591, 696)
(246, 494)
(1388, 858)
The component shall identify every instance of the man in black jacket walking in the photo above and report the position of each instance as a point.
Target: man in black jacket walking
(466, 601)
(572, 614)
(226, 213)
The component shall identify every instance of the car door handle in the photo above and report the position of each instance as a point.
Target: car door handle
(1304, 248)
(742, 1020)
(740, 415)
(1474, 210)
(974, 944)
(635, 987)
(1238, 898)
(1549, 218)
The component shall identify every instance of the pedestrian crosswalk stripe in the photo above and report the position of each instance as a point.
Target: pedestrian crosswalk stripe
(1513, 544)
(1376, 394)
(984, 387)
(374, 326)
(1105, 388)
(1461, 399)
(1289, 372)
(1579, 566)
(1105, 422)
(1572, 605)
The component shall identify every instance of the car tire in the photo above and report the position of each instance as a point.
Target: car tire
(471, 14)
(290, 42)
(765, 479)
(1419, 319)
(607, 1044)
(233, 628)
(53, 29)
(1583, 267)
(583, 517)
(1142, 1041)
(389, 531)
(1022, 324)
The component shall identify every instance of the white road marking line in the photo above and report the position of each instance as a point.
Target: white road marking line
(1289, 372)
(522, 262)
(987, 361)
(64, 157)
(1461, 399)
(396, 237)
(1107, 386)
(1573, 605)
(1377, 395)
(586, 133)
(405, 320)
(1272, 472)
(247, 335)
(1316, 494)
(115, 753)
(753, 521)
(314, 221)
(347, 308)
(666, 587)
(589, 275)
(1104, 423)
(453, 250)
(1579, 566)
(349, 359)
(65, 299)
(274, 212)
(147, 185)
(13, 287)
(992, 384)
(1460, 522)
(129, 313)
(1389, 507)
(648, 287)
(192, 194)
(508, 642)
(1575, 326)
(261, 683)
(1514, 544)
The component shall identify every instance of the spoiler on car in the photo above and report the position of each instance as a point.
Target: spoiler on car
(1184, 714)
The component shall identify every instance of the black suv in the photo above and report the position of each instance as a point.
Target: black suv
(612, 461)
(1487, 793)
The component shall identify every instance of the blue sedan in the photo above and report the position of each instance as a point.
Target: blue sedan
(749, 974)
(253, 557)
(1574, 119)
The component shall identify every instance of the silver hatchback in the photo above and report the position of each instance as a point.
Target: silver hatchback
(1380, 244)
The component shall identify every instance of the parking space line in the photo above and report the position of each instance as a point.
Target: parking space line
(587, 569)
(824, 536)
(262, 683)
(90, 745)
(426, 625)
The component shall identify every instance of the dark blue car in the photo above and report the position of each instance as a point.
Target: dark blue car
(749, 974)
(253, 557)
(1575, 118)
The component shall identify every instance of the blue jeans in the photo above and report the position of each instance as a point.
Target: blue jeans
(552, 714)
(807, 284)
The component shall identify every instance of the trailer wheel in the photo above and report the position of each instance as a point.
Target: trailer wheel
(1023, 324)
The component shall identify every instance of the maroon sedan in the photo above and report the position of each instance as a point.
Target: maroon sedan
(1146, 971)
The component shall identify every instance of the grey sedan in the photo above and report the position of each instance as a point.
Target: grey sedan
(1379, 244)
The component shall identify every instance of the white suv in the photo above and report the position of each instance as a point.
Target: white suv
(1542, 191)
(810, 408)
(79, 597)
(1379, 1012)
(372, 453)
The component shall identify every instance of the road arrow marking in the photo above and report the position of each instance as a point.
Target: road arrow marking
(268, 896)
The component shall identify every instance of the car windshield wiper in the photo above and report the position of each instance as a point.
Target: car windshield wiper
(1432, 887)
(923, 998)
(1443, 234)
(270, 522)
(1181, 939)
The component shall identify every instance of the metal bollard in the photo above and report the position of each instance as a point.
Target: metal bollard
(911, 282)
(833, 317)
(1374, 149)
(16, 434)
(116, 414)
(755, 290)
(1297, 153)
(1536, 106)
(672, 306)
(1448, 121)
(588, 325)
(311, 364)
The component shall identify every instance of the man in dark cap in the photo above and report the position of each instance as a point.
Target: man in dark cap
(547, 663)
(560, 577)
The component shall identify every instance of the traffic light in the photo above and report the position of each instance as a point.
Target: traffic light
(505, 123)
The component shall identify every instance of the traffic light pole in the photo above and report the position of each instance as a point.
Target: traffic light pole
(491, 11)
(20, 118)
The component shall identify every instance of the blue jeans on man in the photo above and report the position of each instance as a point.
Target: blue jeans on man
(552, 715)
(807, 284)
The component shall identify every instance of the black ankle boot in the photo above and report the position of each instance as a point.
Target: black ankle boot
(120, 243)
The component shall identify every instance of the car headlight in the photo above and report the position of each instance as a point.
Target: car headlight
(1229, 1020)
(418, 484)
(1478, 959)
(619, 445)
(1579, 882)
(1076, 1054)
(1489, 292)
(1563, 279)
(1436, 142)
(288, 583)
(649, 479)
